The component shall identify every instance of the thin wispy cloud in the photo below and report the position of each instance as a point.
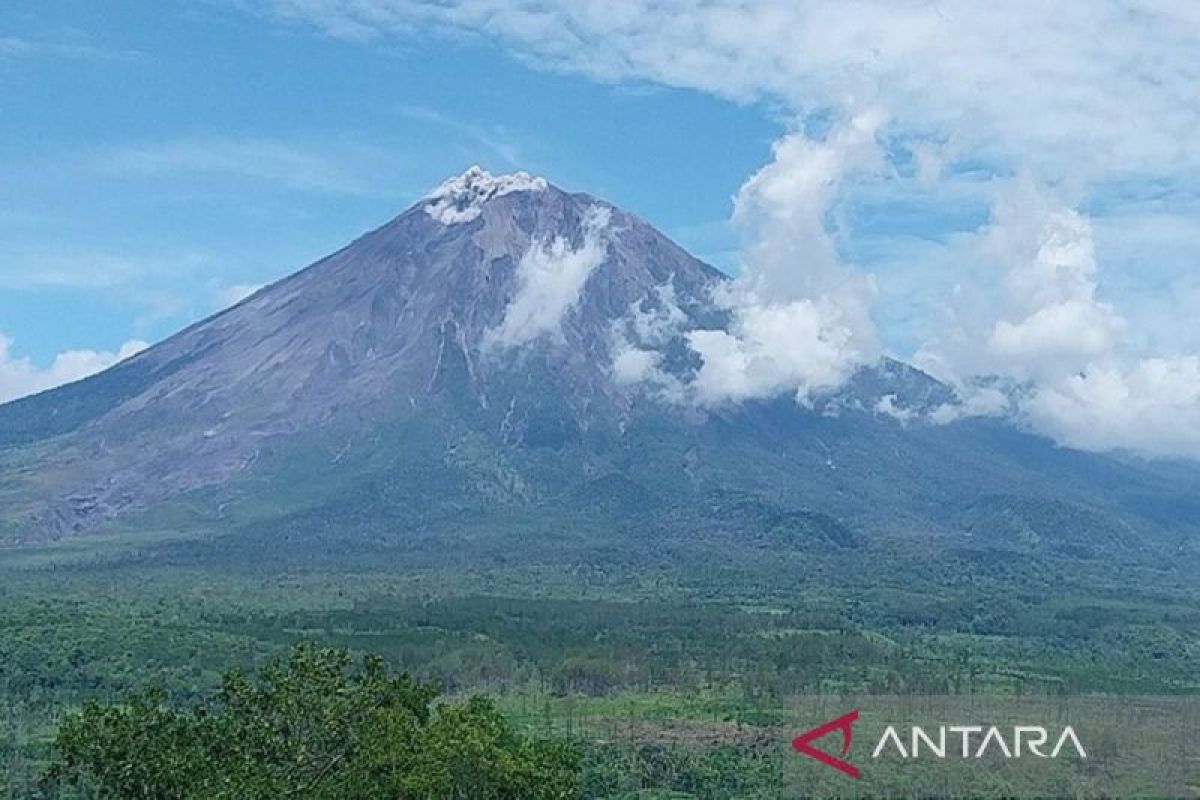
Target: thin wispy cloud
(57, 268)
(494, 140)
(14, 48)
(148, 285)
(299, 167)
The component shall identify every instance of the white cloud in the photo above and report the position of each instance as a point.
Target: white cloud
(550, 277)
(632, 365)
(1044, 317)
(20, 376)
(641, 368)
(1101, 86)
(781, 212)
(974, 401)
(1150, 405)
(637, 342)
(800, 317)
(1049, 330)
(1054, 322)
(797, 347)
(1068, 332)
(889, 408)
(659, 323)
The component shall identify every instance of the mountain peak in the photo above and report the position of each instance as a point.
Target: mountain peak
(461, 198)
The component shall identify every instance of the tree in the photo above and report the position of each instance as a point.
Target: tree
(313, 726)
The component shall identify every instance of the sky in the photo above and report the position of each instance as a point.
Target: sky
(1006, 194)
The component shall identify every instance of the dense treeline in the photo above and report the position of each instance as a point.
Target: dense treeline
(311, 726)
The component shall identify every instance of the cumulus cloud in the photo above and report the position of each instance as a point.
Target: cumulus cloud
(20, 376)
(1056, 322)
(642, 368)
(632, 364)
(781, 212)
(1044, 318)
(772, 348)
(661, 321)
(550, 277)
(1149, 405)
(888, 407)
(1062, 346)
(974, 400)
(800, 317)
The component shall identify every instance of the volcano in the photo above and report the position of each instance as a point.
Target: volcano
(482, 358)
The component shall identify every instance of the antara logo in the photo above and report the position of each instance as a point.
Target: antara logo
(975, 741)
(845, 724)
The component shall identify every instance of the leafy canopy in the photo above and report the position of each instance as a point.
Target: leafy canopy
(315, 725)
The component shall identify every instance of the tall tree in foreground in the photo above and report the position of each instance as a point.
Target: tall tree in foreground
(316, 725)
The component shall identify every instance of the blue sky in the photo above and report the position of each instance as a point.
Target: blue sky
(985, 189)
(156, 154)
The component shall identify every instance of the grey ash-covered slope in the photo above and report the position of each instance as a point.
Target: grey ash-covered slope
(396, 385)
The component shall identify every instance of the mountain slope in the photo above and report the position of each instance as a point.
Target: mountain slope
(392, 324)
(463, 362)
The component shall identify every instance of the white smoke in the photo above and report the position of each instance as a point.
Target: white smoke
(461, 198)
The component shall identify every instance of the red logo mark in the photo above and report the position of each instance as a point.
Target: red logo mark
(845, 724)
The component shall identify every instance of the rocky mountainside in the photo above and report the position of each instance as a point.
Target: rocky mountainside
(469, 360)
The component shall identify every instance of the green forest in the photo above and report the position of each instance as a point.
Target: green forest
(590, 678)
